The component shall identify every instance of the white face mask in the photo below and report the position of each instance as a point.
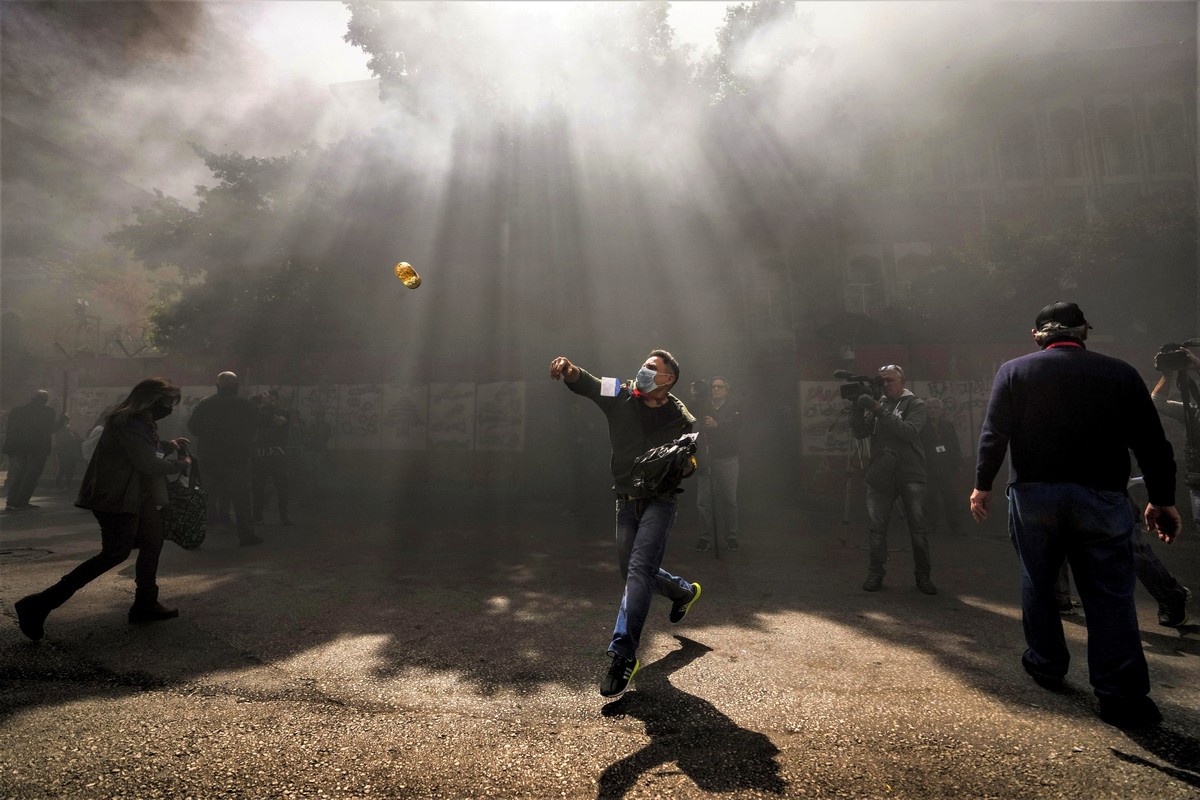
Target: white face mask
(644, 381)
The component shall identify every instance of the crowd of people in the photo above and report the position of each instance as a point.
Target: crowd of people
(1069, 505)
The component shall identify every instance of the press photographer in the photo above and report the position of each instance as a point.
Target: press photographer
(893, 419)
(1175, 362)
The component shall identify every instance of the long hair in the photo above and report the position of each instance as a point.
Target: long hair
(146, 394)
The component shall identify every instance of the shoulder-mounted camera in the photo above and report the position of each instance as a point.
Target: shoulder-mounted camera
(1171, 357)
(858, 385)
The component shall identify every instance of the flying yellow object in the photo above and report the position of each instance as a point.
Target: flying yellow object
(406, 273)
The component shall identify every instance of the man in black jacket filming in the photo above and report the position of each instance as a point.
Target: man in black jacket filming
(897, 471)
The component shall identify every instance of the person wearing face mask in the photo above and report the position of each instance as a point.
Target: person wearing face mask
(125, 488)
(641, 415)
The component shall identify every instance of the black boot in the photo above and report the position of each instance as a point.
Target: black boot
(146, 607)
(33, 609)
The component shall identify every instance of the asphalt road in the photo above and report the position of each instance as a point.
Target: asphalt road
(435, 650)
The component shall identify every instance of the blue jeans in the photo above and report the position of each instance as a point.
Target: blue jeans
(642, 528)
(716, 490)
(1094, 531)
(879, 510)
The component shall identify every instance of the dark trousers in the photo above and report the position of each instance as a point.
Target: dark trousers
(879, 510)
(24, 472)
(272, 468)
(1094, 531)
(946, 500)
(229, 484)
(66, 472)
(119, 534)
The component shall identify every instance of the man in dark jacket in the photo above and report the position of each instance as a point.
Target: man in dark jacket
(717, 483)
(225, 426)
(943, 462)
(641, 416)
(897, 471)
(28, 442)
(1069, 418)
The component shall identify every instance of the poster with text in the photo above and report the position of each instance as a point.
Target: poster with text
(405, 418)
(358, 413)
(451, 416)
(86, 405)
(824, 425)
(500, 416)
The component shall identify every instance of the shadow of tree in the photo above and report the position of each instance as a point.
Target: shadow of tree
(709, 747)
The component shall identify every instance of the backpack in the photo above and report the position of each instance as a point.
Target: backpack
(660, 471)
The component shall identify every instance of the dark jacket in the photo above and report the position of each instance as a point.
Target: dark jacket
(898, 430)
(1069, 415)
(225, 426)
(723, 440)
(633, 428)
(125, 467)
(30, 428)
(948, 461)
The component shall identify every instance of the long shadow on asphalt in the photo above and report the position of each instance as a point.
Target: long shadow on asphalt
(514, 599)
(709, 747)
(1178, 749)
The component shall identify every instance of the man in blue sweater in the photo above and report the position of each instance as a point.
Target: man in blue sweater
(1070, 417)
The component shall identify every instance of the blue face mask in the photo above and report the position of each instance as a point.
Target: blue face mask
(644, 381)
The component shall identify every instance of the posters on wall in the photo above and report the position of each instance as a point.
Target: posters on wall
(448, 416)
(358, 413)
(405, 417)
(86, 405)
(500, 416)
(451, 416)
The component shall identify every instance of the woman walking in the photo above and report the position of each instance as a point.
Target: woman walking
(124, 487)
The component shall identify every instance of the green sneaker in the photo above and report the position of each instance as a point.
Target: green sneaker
(680, 608)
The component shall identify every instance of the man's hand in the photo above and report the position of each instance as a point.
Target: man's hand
(1163, 520)
(561, 368)
(979, 504)
(184, 446)
(709, 422)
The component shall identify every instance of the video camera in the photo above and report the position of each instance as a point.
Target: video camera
(1171, 358)
(701, 391)
(859, 385)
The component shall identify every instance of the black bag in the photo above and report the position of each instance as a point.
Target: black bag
(185, 516)
(659, 471)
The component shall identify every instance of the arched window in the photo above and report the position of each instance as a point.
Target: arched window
(1116, 146)
(1064, 143)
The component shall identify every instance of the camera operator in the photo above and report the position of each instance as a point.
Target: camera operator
(1173, 370)
(897, 470)
(716, 490)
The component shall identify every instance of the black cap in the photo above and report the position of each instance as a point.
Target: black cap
(1067, 314)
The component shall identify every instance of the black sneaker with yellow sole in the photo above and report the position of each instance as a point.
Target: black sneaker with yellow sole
(680, 608)
(620, 673)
